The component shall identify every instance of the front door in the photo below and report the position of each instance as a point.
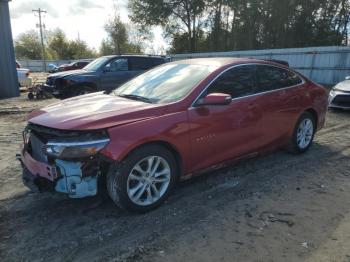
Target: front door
(115, 73)
(224, 132)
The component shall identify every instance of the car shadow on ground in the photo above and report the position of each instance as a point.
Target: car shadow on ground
(228, 177)
(48, 217)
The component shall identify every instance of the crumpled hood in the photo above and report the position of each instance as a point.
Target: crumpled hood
(343, 86)
(79, 72)
(94, 111)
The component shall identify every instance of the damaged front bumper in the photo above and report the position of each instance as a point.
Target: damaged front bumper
(63, 177)
(49, 165)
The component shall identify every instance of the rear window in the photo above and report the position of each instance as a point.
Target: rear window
(145, 63)
(158, 61)
(273, 78)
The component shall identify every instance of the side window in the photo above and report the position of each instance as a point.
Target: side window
(236, 82)
(140, 63)
(294, 79)
(272, 78)
(117, 65)
(158, 61)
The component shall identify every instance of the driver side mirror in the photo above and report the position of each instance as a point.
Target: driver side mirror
(215, 99)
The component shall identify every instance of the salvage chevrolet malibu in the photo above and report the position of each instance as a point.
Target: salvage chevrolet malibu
(168, 124)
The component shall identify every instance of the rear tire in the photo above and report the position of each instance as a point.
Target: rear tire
(303, 134)
(144, 180)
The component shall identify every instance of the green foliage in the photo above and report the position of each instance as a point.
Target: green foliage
(57, 46)
(81, 50)
(118, 41)
(27, 46)
(106, 48)
(62, 48)
(220, 25)
(178, 17)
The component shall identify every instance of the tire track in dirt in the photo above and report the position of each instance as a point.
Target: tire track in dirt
(216, 216)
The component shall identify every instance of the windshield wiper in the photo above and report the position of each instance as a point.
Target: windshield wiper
(138, 98)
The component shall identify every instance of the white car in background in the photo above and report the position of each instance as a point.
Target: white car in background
(339, 96)
(24, 79)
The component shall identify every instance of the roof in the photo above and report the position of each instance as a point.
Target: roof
(217, 61)
(226, 61)
(131, 55)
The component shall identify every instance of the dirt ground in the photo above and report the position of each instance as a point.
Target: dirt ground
(278, 207)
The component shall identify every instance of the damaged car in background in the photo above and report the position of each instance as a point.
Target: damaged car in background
(171, 123)
(102, 74)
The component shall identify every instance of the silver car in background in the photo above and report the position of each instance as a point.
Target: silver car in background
(339, 96)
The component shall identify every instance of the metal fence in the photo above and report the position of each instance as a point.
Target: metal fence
(38, 65)
(325, 65)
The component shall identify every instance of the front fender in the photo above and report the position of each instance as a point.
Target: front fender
(172, 129)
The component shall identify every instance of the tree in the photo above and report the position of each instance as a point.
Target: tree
(220, 25)
(178, 17)
(117, 34)
(118, 41)
(58, 44)
(106, 48)
(62, 48)
(80, 49)
(28, 46)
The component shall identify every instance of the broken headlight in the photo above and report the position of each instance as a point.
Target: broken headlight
(79, 149)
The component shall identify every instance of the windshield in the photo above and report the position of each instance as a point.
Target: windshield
(96, 64)
(165, 84)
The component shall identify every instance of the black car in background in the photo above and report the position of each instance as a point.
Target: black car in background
(102, 74)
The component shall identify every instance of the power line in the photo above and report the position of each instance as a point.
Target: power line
(41, 26)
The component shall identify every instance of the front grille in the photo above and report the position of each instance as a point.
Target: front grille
(342, 101)
(36, 148)
(342, 91)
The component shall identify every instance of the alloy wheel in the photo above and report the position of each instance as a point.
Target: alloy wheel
(148, 180)
(305, 133)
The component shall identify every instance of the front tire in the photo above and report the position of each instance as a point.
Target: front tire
(144, 180)
(83, 90)
(303, 134)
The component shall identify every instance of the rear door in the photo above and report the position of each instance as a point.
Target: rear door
(219, 133)
(115, 73)
(139, 65)
(279, 90)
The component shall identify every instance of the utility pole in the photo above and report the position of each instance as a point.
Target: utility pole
(41, 26)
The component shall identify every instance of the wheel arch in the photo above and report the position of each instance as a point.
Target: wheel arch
(166, 145)
(314, 113)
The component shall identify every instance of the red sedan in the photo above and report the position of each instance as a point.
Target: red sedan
(73, 66)
(168, 124)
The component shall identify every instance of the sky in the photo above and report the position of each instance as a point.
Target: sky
(83, 18)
